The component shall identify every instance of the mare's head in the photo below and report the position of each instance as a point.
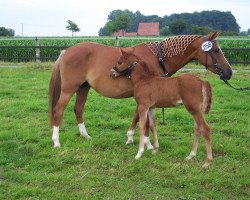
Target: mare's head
(210, 55)
(126, 62)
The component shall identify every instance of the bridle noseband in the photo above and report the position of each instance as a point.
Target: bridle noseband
(126, 72)
(210, 52)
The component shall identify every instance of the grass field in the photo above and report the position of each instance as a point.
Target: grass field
(104, 167)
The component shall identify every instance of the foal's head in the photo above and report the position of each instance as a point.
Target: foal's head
(210, 55)
(126, 62)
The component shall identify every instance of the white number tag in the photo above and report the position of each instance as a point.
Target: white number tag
(206, 46)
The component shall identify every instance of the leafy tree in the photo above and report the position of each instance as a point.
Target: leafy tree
(122, 21)
(6, 32)
(103, 31)
(195, 29)
(72, 27)
(165, 31)
(178, 26)
(248, 31)
(204, 21)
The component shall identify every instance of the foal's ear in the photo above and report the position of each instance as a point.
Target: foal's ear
(213, 35)
(123, 52)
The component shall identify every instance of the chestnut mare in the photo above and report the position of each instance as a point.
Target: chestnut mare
(88, 65)
(152, 91)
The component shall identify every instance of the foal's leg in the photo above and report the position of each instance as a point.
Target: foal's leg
(143, 120)
(81, 97)
(205, 130)
(58, 113)
(152, 125)
(197, 134)
(131, 131)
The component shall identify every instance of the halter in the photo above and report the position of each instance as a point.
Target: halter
(217, 67)
(126, 72)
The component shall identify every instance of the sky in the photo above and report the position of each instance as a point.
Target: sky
(48, 17)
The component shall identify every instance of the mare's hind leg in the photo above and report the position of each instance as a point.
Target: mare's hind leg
(205, 130)
(131, 131)
(81, 97)
(58, 113)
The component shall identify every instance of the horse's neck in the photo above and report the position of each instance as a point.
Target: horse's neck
(141, 71)
(177, 62)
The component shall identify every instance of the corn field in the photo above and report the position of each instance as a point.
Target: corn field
(23, 49)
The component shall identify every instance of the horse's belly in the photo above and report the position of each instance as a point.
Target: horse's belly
(112, 88)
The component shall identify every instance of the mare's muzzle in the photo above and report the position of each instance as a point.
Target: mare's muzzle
(226, 74)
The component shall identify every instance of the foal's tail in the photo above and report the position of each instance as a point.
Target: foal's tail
(54, 87)
(206, 96)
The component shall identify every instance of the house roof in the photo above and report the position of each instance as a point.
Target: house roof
(149, 28)
(144, 28)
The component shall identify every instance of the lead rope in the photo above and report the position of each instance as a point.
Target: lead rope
(165, 73)
(240, 89)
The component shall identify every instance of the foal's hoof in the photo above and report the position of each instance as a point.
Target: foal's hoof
(154, 151)
(190, 156)
(207, 164)
(129, 142)
(57, 145)
(85, 135)
(150, 146)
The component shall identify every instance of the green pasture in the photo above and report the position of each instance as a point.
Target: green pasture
(104, 167)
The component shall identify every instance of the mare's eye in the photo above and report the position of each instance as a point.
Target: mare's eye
(216, 51)
(119, 62)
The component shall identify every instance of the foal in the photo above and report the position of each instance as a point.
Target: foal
(152, 91)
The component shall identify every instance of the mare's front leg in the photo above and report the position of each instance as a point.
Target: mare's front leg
(131, 131)
(143, 122)
(81, 97)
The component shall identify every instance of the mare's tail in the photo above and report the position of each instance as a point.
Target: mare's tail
(206, 96)
(54, 87)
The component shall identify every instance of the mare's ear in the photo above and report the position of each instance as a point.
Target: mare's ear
(213, 35)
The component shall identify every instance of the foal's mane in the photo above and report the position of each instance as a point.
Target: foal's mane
(173, 46)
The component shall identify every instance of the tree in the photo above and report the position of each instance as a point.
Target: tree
(195, 29)
(6, 32)
(165, 31)
(178, 26)
(121, 21)
(72, 27)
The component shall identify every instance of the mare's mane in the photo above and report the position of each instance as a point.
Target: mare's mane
(173, 46)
